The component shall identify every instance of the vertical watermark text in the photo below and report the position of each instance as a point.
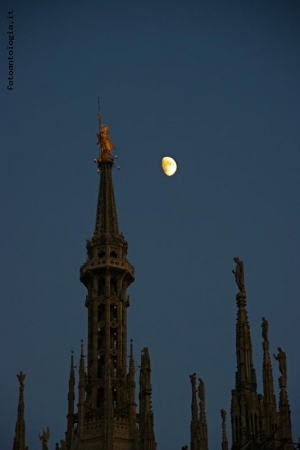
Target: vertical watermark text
(10, 48)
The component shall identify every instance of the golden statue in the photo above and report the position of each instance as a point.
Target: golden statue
(105, 143)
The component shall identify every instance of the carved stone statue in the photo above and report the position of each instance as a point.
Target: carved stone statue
(265, 327)
(44, 437)
(104, 142)
(21, 377)
(239, 274)
(281, 358)
(193, 380)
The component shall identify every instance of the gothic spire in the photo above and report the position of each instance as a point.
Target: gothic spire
(224, 431)
(131, 391)
(106, 393)
(284, 416)
(202, 417)
(19, 439)
(106, 216)
(245, 375)
(71, 400)
(269, 396)
(194, 421)
(81, 391)
(245, 407)
(147, 438)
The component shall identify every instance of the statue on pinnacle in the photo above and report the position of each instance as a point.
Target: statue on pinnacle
(239, 274)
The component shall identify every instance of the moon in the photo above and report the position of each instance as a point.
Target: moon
(169, 166)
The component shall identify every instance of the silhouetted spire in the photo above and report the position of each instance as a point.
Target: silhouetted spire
(224, 431)
(131, 391)
(284, 415)
(245, 403)
(71, 400)
(81, 391)
(245, 375)
(270, 413)
(195, 438)
(106, 217)
(19, 439)
(202, 417)
(147, 438)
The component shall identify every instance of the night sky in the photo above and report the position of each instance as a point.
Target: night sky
(215, 85)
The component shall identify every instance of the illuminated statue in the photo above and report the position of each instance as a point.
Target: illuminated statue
(239, 274)
(105, 143)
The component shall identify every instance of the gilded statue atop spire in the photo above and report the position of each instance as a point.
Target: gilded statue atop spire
(105, 144)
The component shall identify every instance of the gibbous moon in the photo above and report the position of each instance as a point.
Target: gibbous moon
(169, 166)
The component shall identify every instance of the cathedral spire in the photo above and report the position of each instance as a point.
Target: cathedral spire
(71, 400)
(245, 375)
(106, 398)
(224, 431)
(131, 391)
(269, 398)
(19, 439)
(106, 216)
(81, 391)
(202, 417)
(147, 438)
(285, 425)
(245, 406)
(194, 422)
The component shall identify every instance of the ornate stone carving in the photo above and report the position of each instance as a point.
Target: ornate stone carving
(281, 358)
(239, 274)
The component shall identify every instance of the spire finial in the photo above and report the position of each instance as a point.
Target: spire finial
(21, 377)
(239, 274)
(19, 439)
(104, 141)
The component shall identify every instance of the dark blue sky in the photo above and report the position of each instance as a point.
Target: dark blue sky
(213, 84)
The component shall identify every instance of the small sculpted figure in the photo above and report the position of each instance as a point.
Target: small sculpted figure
(239, 274)
(281, 358)
(223, 415)
(44, 437)
(265, 327)
(193, 380)
(21, 377)
(104, 142)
